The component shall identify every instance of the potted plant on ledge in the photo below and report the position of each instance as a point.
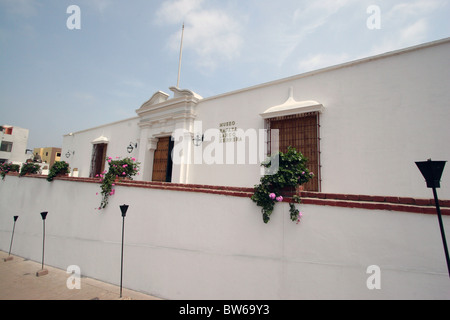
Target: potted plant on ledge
(292, 173)
(59, 168)
(8, 167)
(29, 168)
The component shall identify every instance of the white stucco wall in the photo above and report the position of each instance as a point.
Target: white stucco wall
(380, 116)
(187, 245)
(119, 135)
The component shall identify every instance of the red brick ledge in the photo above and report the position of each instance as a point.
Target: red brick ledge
(403, 204)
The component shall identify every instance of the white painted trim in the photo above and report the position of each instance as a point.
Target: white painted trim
(291, 107)
(100, 140)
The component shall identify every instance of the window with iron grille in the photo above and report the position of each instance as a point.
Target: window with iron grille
(300, 131)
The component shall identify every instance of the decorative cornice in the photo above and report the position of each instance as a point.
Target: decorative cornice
(291, 107)
(184, 93)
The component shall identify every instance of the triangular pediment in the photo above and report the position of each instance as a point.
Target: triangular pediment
(158, 97)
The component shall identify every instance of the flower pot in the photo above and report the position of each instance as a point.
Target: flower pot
(62, 174)
(291, 191)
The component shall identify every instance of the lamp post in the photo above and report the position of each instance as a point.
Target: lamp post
(432, 172)
(123, 209)
(43, 271)
(9, 258)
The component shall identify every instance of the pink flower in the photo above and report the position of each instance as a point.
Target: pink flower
(96, 193)
(123, 173)
(125, 165)
(272, 196)
(279, 199)
(133, 159)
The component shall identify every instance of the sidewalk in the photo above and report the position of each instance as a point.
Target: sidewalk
(18, 281)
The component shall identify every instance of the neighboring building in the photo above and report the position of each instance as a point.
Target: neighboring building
(47, 155)
(362, 124)
(13, 145)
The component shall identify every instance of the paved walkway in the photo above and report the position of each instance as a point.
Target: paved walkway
(18, 281)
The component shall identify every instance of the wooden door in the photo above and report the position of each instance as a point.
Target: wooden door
(301, 132)
(162, 162)
(98, 159)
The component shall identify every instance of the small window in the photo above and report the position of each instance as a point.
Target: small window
(6, 146)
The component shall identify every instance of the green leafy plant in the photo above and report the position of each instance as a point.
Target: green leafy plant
(8, 167)
(58, 168)
(292, 172)
(29, 168)
(119, 169)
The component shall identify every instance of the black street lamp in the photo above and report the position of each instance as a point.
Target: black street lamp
(9, 258)
(43, 271)
(432, 172)
(123, 209)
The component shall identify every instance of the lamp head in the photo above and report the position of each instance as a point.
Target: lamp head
(432, 172)
(124, 209)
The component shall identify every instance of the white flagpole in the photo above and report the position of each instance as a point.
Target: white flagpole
(181, 54)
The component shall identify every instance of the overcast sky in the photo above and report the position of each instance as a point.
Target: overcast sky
(55, 79)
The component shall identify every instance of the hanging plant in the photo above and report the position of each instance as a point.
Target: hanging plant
(292, 172)
(119, 169)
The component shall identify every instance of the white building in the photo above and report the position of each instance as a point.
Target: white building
(14, 142)
(370, 233)
(362, 124)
